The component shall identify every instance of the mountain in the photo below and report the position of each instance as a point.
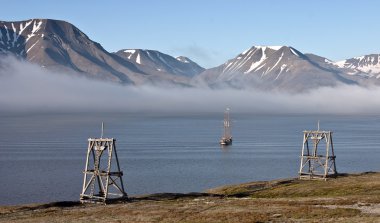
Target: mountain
(275, 67)
(59, 45)
(367, 66)
(152, 61)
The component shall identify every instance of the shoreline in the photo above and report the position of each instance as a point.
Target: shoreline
(347, 198)
(175, 195)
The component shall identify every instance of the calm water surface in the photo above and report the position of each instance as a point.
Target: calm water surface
(42, 156)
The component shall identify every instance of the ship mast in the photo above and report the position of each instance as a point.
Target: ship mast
(227, 130)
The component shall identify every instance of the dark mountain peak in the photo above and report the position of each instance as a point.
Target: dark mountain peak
(267, 67)
(262, 59)
(34, 27)
(272, 49)
(59, 45)
(255, 47)
(64, 29)
(318, 58)
(156, 61)
(22, 36)
(15, 35)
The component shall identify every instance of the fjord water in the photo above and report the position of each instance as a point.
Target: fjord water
(42, 156)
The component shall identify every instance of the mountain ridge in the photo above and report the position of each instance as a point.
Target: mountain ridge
(275, 67)
(368, 65)
(59, 45)
(154, 61)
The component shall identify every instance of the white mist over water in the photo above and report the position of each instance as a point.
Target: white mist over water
(28, 87)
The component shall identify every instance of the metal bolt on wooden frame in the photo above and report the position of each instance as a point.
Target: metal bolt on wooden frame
(102, 181)
(317, 163)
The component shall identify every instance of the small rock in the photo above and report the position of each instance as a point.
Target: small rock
(276, 215)
(363, 204)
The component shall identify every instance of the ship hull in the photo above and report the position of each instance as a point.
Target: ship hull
(225, 141)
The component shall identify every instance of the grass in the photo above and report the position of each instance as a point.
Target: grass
(288, 200)
(344, 185)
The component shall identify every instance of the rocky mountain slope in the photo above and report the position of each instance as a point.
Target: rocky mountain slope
(59, 45)
(367, 66)
(152, 61)
(276, 67)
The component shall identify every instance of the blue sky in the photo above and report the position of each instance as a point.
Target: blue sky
(213, 31)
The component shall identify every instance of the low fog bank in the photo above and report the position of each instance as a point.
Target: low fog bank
(26, 87)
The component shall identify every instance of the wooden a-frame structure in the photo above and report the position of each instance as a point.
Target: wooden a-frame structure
(316, 162)
(102, 180)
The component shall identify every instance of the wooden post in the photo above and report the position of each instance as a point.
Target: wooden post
(302, 153)
(332, 153)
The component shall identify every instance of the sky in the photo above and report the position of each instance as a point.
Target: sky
(212, 31)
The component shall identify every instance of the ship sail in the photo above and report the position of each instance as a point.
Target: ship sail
(226, 138)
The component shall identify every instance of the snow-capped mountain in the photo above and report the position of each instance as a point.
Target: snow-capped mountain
(152, 61)
(368, 65)
(275, 67)
(59, 45)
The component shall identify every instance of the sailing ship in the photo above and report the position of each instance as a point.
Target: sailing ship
(226, 138)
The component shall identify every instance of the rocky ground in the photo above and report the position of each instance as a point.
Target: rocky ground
(348, 198)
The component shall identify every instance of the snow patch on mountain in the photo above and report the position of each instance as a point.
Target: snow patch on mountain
(183, 59)
(341, 64)
(294, 52)
(256, 64)
(270, 47)
(138, 60)
(31, 46)
(15, 36)
(130, 51)
(279, 59)
(281, 69)
(36, 27)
